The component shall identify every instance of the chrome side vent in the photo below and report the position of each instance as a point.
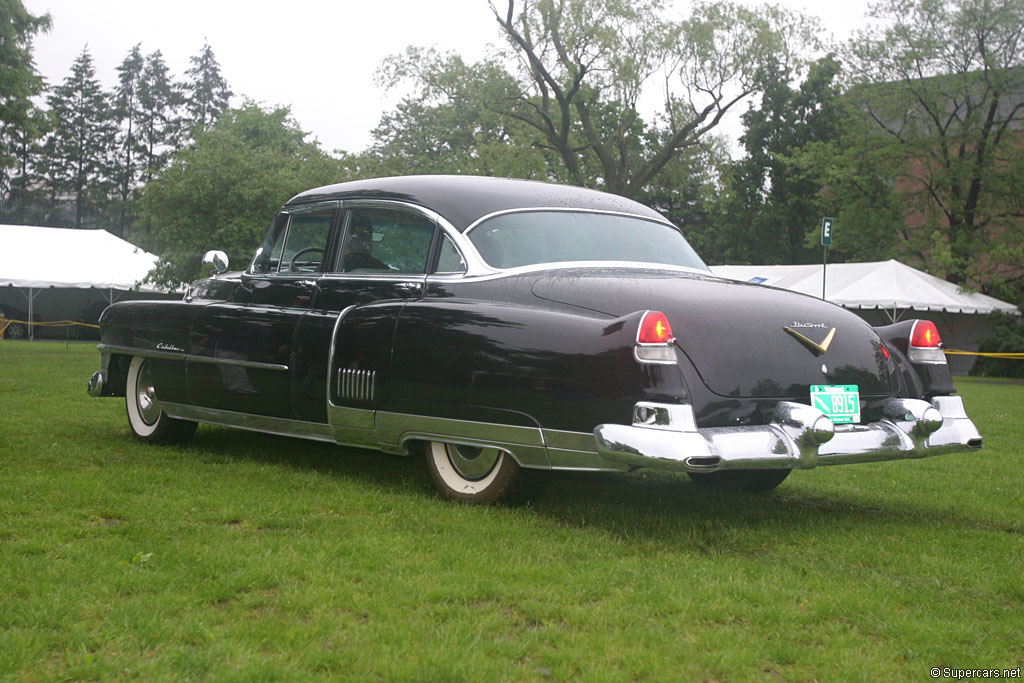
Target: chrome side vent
(356, 385)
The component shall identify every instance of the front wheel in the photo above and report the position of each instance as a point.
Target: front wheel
(752, 481)
(147, 419)
(484, 476)
(16, 331)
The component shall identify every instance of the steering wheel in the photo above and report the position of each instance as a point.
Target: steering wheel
(292, 265)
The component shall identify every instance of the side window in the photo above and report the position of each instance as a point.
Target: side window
(295, 243)
(386, 241)
(449, 260)
(306, 243)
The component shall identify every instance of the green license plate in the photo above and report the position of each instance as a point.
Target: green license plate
(841, 402)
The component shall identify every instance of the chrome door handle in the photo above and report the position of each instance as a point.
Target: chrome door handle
(408, 287)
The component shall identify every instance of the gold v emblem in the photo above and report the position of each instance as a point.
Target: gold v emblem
(818, 349)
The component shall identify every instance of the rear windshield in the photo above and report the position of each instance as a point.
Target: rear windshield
(527, 238)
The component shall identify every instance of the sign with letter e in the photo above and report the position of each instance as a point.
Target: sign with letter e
(826, 232)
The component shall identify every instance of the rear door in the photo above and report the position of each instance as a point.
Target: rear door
(344, 341)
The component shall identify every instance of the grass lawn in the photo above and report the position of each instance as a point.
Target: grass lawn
(243, 556)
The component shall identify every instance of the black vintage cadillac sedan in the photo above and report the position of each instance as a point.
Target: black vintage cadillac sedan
(503, 328)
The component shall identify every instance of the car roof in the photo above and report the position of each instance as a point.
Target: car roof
(463, 200)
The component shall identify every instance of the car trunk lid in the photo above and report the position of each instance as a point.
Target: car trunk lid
(744, 340)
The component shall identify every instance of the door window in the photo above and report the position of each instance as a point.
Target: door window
(306, 243)
(295, 243)
(386, 241)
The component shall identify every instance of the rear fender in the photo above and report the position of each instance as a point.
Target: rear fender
(919, 380)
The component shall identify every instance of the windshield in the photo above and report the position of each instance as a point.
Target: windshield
(531, 237)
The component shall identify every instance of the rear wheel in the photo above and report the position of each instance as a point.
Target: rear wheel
(753, 481)
(145, 416)
(484, 476)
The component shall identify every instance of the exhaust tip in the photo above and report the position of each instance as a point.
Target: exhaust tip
(974, 444)
(707, 462)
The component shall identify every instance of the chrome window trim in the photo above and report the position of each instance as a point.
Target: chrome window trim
(576, 265)
(164, 355)
(570, 209)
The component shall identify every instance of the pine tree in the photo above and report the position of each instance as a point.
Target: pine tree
(79, 149)
(159, 100)
(19, 83)
(207, 93)
(127, 114)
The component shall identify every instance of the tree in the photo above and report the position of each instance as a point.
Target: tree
(455, 132)
(943, 85)
(127, 114)
(795, 171)
(575, 72)
(159, 100)
(206, 92)
(78, 151)
(221, 192)
(19, 83)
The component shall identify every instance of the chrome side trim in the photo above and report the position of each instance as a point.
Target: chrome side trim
(144, 353)
(798, 437)
(330, 354)
(526, 444)
(577, 451)
(236, 363)
(189, 358)
(254, 423)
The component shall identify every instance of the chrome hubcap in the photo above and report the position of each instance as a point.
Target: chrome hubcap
(145, 396)
(472, 463)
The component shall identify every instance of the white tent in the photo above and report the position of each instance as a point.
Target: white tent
(34, 258)
(887, 285)
(883, 292)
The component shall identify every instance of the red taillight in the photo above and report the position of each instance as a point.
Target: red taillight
(885, 352)
(925, 343)
(654, 329)
(925, 335)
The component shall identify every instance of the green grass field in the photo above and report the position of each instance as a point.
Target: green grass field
(243, 556)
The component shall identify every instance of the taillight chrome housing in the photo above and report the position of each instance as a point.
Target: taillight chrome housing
(925, 344)
(654, 339)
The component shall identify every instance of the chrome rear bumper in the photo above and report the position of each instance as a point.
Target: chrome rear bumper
(666, 436)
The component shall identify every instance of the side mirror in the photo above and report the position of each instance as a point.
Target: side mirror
(214, 263)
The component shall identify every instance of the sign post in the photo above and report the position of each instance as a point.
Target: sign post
(826, 240)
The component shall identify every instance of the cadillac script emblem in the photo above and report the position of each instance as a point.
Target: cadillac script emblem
(816, 348)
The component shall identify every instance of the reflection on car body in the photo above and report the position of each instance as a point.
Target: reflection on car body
(505, 328)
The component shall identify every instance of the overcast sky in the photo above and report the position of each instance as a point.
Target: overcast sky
(318, 56)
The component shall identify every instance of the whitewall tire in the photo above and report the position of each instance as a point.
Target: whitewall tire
(146, 418)
(483, 476)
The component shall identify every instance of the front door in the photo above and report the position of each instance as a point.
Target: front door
(241, 351)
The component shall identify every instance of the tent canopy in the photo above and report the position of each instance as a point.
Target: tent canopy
(35, 258)
(887, 285)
